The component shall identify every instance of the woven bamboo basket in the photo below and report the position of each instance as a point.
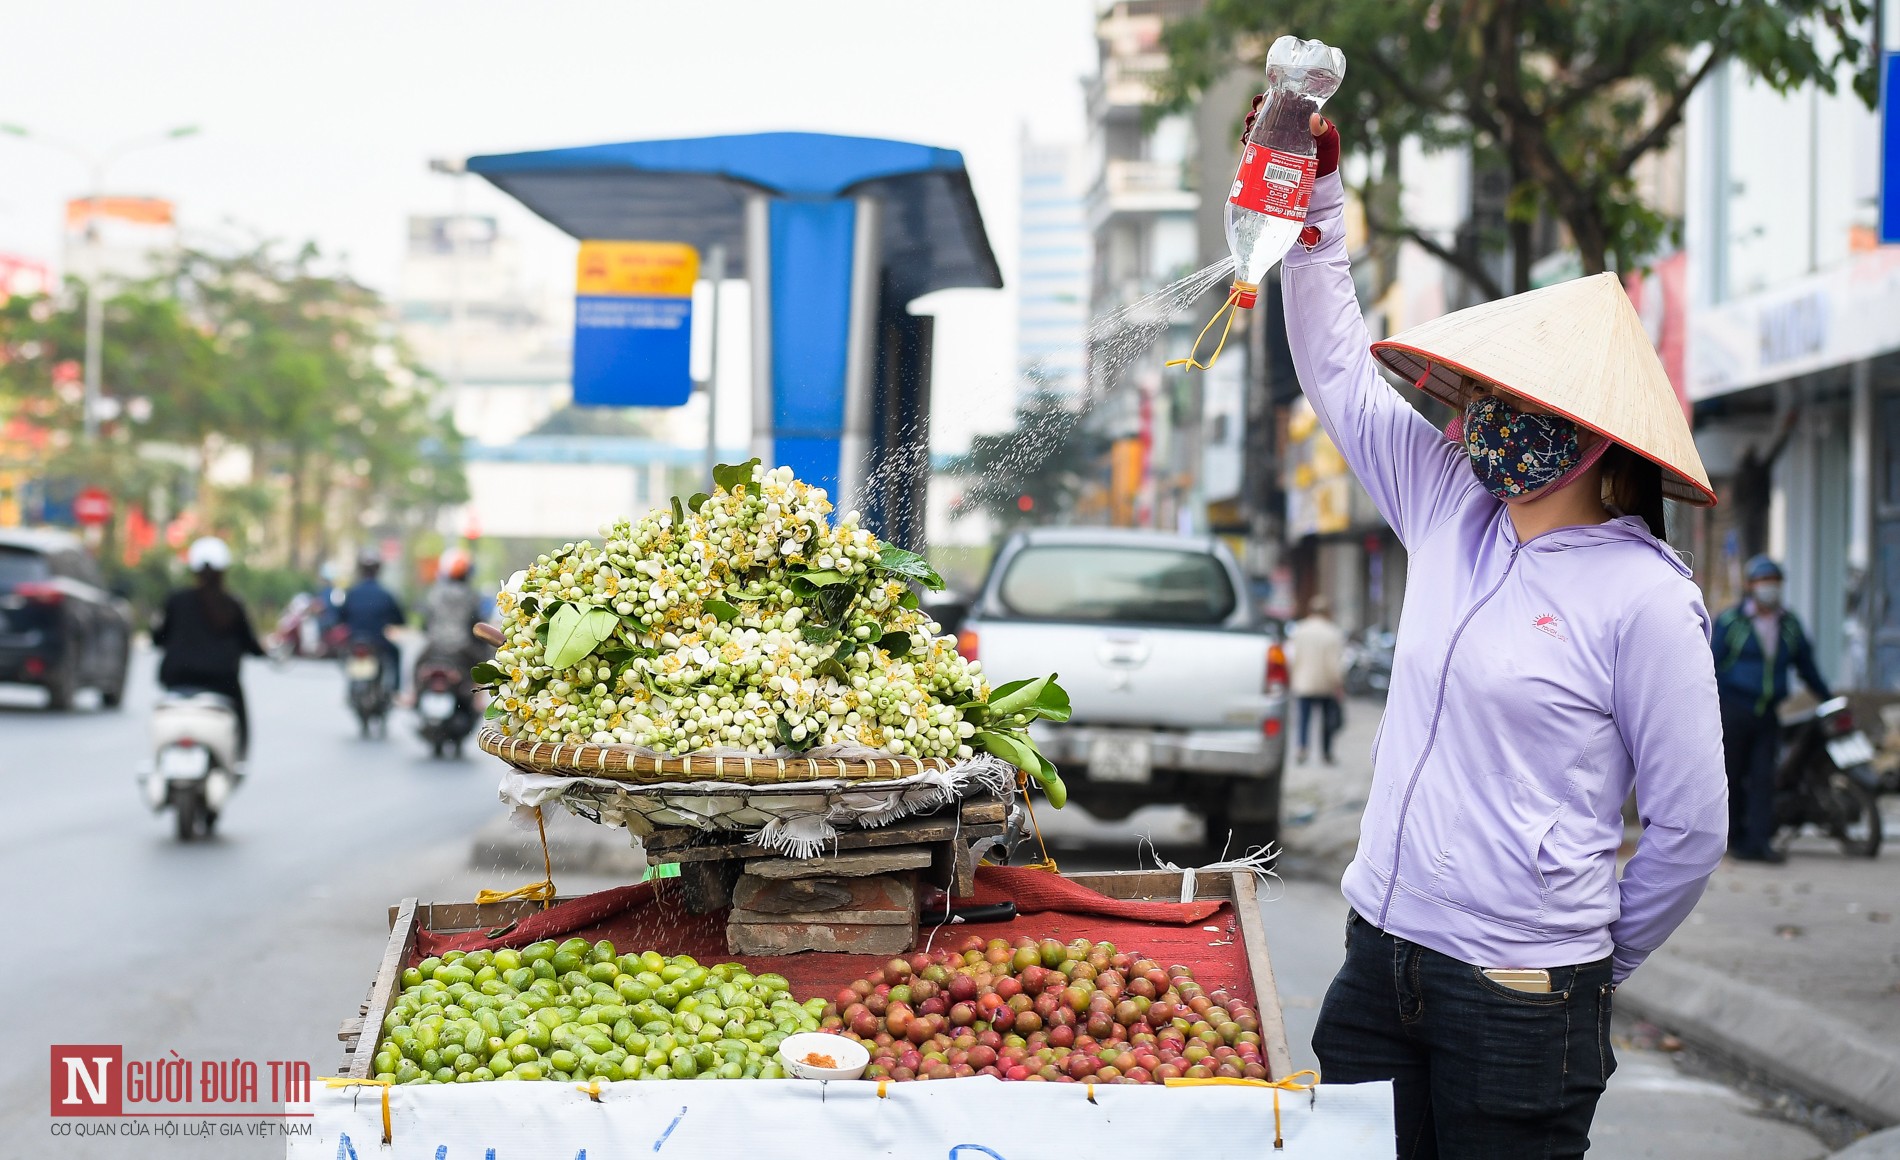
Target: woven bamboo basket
(625, 763)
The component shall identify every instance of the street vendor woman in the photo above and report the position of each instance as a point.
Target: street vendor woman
(1552, 657)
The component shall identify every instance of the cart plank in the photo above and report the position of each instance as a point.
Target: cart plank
(1253, 933)
(402, 939)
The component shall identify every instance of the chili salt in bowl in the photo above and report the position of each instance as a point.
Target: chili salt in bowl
(848, 1055)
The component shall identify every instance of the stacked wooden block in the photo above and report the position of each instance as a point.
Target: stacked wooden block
(859, 896)
(860, 902)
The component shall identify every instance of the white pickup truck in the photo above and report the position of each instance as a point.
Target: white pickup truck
(1179, 694)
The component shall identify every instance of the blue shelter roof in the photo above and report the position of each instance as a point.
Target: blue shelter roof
(694, 190)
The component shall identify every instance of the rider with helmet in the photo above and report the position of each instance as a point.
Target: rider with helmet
(450, 613)
(369, 611)
(206, 634)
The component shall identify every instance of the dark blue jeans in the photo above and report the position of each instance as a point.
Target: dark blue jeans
(1478, 1071)
(1751, 745)
(1329, 714)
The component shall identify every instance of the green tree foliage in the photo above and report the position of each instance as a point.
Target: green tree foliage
(261, 351)
(1048, 457)
(1566, 95)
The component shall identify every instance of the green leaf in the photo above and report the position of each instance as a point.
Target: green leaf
(487, 674)
(731, 477)
(895, 643)
(1053, 705)
(573, 633)
(493, 711)
(908, 599)
(786, 739)
(746, 593)
(1011, 748)
(1016, 696)
(834, 668)
(697, 501)
(823, 579)
(679, 514)
(723, 612)
(1055, 790)
(818, 633)
(910, 565)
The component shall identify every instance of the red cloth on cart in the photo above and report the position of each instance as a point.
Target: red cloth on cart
(1202, 936)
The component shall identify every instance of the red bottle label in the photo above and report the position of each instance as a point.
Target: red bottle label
(1275, 182)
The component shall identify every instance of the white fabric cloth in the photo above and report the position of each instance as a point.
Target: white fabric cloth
(1315, 647)
(795, 819)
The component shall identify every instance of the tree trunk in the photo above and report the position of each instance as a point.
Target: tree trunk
(298, 463)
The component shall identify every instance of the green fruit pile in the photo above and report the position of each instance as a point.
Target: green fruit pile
(579, 1011)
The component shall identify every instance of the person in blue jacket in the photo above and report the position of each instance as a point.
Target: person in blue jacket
(1756, 643)
(369, 610)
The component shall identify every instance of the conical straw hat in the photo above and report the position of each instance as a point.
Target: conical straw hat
(1577, 348)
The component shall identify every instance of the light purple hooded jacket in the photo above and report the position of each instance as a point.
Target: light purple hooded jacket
(1533, 685)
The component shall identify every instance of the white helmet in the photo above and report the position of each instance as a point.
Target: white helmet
(208, 552)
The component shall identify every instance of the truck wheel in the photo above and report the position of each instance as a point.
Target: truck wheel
(1246, 818)
(62, 684)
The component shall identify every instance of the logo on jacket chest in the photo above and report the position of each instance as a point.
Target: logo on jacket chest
(1550, 625)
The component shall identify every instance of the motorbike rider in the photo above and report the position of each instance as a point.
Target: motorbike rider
(369, 611)
(1755, 644)
(206, 634)
(449, 613)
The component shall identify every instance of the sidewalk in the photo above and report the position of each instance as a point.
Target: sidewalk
(1791, 970)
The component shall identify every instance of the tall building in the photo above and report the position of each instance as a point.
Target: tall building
(1793, 361)
(1052, 270)
(1141, 215)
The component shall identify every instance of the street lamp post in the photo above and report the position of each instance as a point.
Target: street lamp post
(96, 164)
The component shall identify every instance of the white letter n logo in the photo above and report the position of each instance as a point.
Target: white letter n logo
(77, 1074)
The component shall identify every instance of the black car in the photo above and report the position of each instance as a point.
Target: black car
(59, 626)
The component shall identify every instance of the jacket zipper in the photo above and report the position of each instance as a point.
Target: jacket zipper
(1431, 733)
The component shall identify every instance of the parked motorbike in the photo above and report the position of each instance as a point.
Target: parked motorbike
(194, 766)
(1369, 663)
(445, 706)
(299, 631)
(1826, 778)
(369, 696)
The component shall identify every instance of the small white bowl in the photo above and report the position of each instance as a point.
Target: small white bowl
(851, 1055)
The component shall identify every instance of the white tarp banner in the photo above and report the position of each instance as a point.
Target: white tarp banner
(966, 1119)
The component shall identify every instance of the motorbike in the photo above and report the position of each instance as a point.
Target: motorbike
(445, 706)
(1827, 778)
(194, 766)
(299, 631)
(368, 693)
(1369, 663)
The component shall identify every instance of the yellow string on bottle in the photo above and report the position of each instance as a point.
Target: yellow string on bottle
(1291, 1083)
(542, 891)
(343, 1081)
(1229, 309)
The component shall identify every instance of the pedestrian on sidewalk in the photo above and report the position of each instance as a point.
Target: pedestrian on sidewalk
(1554, 655)
(1756, 643)
(1316, 646)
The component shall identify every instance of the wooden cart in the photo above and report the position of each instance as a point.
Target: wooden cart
(410, 916)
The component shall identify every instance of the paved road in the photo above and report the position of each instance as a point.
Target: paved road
(254, 944)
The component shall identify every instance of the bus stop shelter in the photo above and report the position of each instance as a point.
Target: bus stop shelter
(836, 236)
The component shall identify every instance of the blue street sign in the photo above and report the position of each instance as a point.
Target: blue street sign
(633, 324)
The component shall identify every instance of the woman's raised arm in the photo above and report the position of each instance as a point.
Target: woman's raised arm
(1414, 474)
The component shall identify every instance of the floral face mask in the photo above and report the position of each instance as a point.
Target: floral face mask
(1516, 454)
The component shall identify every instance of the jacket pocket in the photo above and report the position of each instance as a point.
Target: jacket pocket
(1490, 862)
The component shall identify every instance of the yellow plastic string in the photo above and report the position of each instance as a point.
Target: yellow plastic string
(1229, 308)
(344, 1081)
(1047, 863)
(1291, 1083)
(542, 891)
(592, 1088)
(882, 1086)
